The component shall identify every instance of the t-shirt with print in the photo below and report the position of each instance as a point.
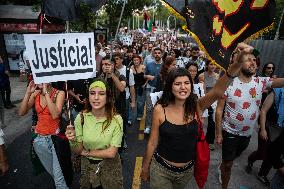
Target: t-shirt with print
(242, 105)
(198, 89)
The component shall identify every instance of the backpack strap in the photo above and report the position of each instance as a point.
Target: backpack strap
(127, 76)
(82, 118)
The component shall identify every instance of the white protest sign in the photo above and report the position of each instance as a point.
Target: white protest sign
(155, 97)
(153, 39)
(61, 57)
(126, 40)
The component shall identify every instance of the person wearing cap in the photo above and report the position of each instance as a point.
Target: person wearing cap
(97, 136)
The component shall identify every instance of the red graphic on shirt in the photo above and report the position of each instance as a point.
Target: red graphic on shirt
(240, 117)
(263, 85)
(252, 92)
(256, 80)
(253, 116)
(232, 105)
(228, 114)
(246, 105)
(258, 102)
(238, 93)
(232, 126)
(245, 128)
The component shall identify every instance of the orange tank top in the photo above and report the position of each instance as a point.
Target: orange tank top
(46, 125)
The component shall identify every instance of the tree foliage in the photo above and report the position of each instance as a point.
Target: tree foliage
(113, 10)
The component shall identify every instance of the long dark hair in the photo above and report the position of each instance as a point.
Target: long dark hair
(109, 107)
(190, 105)
(192, 63)
(264, 68)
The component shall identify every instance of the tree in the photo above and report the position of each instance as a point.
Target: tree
(113, 10)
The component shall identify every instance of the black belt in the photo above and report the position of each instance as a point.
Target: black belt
(173, 168)
(92, 161)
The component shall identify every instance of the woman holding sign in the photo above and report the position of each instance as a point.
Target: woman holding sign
(97, 136)
(48, 103)
(171, 151)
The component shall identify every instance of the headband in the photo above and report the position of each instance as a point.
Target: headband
(98, 84)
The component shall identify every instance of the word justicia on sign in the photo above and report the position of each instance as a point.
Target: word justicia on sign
(61, 55)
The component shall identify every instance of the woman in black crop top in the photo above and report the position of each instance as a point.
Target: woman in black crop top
(138, 71)
(172, 143)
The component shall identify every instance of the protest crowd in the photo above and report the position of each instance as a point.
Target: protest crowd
(188, 103)
(178, 90)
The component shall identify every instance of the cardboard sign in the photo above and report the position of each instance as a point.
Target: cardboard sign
(100, 36)
(126, 39)
(61, 57)
(153, 39)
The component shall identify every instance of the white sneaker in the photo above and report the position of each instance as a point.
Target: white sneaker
(147, 130)
(139, 118)
(219, 174)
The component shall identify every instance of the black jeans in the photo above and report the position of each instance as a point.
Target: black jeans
(261, 154)
(6, 94)
(210, 135)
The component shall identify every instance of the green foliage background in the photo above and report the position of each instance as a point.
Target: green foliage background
(109, 18)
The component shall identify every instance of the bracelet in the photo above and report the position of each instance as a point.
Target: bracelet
(230, 76)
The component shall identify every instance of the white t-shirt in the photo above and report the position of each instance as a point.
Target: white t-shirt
(182, 62)
(131, 81)
(242, 105)
(1, 137)
(198, 89)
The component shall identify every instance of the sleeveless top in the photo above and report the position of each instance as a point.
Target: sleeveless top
(138, 78)
(177, 143)
(46, 125)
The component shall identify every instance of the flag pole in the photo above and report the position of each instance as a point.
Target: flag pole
(279, 25)
(66, 83)
(117, 29)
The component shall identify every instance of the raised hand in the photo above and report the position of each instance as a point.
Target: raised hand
(44, 88)
(31, 87)
(240, 50)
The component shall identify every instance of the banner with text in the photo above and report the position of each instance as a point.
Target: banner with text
(61, 57)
